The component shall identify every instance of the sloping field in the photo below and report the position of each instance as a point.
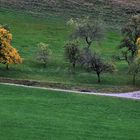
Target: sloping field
(33, 114)
(109, 10)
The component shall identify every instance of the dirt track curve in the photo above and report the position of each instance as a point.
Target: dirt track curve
(130, 95)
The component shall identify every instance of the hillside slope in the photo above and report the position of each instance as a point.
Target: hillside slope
(108, 10)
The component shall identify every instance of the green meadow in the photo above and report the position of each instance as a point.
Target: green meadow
(34, 114)
(29, 30)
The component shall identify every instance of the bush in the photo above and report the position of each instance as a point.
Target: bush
(72, 52)
(43, 54)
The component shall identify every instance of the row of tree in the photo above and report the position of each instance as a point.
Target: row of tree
(91, 31)
(88, 31)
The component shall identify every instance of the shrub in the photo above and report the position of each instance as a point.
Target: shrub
(72, 52)
(43, 54)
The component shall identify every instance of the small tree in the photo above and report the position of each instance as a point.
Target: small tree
(95, 63)
(8, 54)
(135, 69)
(130, 32)
(135, 66)
(72, 52)
(87, 30)
(43, 54)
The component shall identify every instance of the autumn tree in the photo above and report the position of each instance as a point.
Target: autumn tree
(130, 32)
(72, 52)
(8, 54)
(87, 29)
(43, 53)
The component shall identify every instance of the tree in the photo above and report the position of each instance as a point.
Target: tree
(130, 32)
(72, 52)
(135, 69)
(43, 54)
(8, 54)
(135, 66)
(94, 62)
(87, 30)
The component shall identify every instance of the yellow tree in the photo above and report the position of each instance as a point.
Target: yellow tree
(8, 54)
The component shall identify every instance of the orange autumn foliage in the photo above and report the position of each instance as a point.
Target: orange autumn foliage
(8, 54)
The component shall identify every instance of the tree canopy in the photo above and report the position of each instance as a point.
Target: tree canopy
(88, 30)
(8, 54)
(131, 33)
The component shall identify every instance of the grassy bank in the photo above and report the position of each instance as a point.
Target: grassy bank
(33, 114)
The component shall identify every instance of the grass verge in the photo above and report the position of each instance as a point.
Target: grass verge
(34, 114)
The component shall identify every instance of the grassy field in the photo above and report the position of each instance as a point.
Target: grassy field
(28, 31)
(34, 114)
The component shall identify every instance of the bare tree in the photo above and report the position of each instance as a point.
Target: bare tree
(87, 30)
(94, 62)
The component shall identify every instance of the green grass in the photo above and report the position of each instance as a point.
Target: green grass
(34, 114)
(29, 30)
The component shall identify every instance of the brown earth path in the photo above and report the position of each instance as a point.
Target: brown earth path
(130, 95)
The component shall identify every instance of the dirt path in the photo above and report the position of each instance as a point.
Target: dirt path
(129, 95)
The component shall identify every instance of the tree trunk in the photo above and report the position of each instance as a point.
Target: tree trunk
(99, 79)
(133, 54)
(88, 43)
(126, 58)
(7, 67)
(134, 79)
(73, 65)
(44, 65)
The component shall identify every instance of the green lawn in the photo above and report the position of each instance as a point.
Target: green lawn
(32, 114)
(29, 30)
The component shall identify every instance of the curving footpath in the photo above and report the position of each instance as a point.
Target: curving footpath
(130, 95)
